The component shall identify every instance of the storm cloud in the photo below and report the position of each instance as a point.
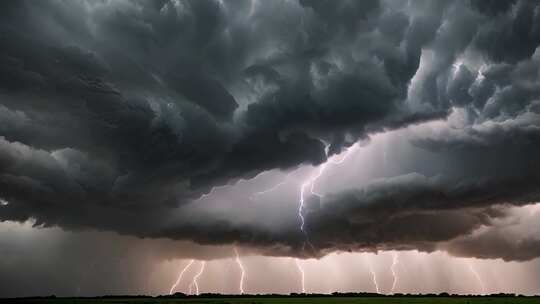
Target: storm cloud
(126, 116)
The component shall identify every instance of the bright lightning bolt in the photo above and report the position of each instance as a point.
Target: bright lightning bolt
(312, 180)
(347, 152)
(195, 282)
(374, 279)
(215, 188)
(330, 160)
(301, 207)
(373, 276)
(311, 183)
(243, 271)
(394, 272)
(302, 274)
(180, 276)
(211, 192)
(478, 278)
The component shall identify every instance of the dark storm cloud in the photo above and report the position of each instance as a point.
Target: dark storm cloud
(415, 212)
(514, 238)
(117, 115)
(496, 244)
(90, 263)
(510, 37)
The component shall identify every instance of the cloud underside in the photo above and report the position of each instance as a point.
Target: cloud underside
(119, 116)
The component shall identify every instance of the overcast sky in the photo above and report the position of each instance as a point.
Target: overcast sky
(401, 138)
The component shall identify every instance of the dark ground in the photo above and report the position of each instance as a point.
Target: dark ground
(294, 299)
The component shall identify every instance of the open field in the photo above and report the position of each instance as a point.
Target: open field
(292, 300)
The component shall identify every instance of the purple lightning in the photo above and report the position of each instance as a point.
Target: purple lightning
(254, 195)
(333, 160)
(395, 261)
(211, 192)
(374, 278)
(302, 274)
(310, 184)
(478, 278)
(243, 271)
(373, 275)
(311, 180)
(195, 282)
(215, 188)
(180, 276)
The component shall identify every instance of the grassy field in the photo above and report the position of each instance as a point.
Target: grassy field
(291, 300)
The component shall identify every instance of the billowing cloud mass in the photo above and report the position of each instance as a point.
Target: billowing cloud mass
(165, 119)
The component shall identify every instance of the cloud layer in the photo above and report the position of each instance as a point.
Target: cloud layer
(121, 115)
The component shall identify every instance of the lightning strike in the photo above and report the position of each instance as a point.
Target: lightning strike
(478, 278)
(211, 192)
(309, 182)
(273, 188)
(373, 277)
(180, 276)
(456, 66)
(269, 189)
(243, 271)
(302, 275)
(312, 180)
(333, 160)
(395, 261)
(215, 188)
(301, 206)
(338, 161)
(195, 282)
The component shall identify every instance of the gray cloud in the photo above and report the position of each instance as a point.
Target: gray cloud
(415, 212)
(119, 116)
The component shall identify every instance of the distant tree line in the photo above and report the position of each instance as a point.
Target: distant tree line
(340, 294)
(293, 295)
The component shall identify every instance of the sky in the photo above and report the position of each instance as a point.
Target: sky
(150, 147)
